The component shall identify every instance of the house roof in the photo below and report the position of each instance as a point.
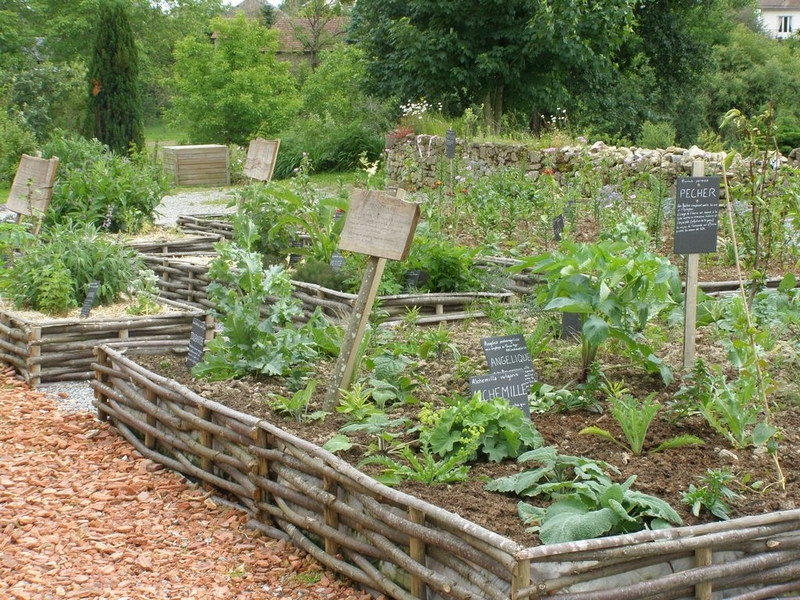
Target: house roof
(779, 4)
(288, 28)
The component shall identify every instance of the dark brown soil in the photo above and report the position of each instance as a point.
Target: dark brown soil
(664, 474)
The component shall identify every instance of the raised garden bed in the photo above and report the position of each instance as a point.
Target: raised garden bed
(406, 548)
(53, 349)
(185, 279)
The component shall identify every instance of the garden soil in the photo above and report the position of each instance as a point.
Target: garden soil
(83, 515)
(664, 474)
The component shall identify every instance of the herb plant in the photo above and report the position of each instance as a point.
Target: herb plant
(251, 342)
(616, 288)
(635, 417)
(713, 493)
(500, 430)
(55, 270)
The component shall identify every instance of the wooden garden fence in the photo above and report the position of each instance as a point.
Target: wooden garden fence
(403, 547)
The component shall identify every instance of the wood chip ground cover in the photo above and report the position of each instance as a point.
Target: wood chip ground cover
(82, 515)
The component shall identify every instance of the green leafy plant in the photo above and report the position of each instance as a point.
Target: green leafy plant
(356, 403)
(423, 466)
(600, 507)
(713, 493)
(94, 185)
(635, 417)
(252, 341)
(296, 405)
(731, 409)
(386, 432)
(615, 288)
(495, 429)
(142, 293)
(55, 270)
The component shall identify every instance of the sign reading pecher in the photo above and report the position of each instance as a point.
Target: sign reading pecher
(696, 215)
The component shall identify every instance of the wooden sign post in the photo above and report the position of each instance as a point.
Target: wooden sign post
(382, 227)
(261, 157)
(696, 223)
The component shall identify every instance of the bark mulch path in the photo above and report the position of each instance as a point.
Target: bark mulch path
(83, 515)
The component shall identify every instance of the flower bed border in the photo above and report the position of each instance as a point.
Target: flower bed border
(63, 349)
(406, 548)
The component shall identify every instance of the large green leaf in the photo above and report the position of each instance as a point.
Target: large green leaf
(570, 520)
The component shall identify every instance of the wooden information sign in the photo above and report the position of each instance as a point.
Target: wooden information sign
(91, 296)
(261, 157)
(509, 385)
(382, 227)
(32, 187)
(379, 225)
(197, 342)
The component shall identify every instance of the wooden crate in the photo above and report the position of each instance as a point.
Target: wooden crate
(406, 548)
(63, 349)
(206, 164)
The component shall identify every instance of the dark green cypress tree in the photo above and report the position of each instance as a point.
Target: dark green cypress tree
(115, 101)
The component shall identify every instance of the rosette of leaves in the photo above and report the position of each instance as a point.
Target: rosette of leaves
(502, 431)
(587, 503)
(54, 270)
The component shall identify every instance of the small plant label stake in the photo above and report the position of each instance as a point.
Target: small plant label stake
(510, 385)
(381, 227)
(197, 342)
(91, 296)
(506, 354)
(558, 227)
(696, 223)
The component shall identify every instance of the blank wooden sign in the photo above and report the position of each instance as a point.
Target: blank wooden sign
(261, 157)
(379, 225)
(33, 186)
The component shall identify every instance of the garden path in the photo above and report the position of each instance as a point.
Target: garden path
(83, 515)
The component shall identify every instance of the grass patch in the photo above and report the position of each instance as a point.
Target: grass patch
(4, 192)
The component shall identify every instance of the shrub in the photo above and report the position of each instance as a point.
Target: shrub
(95, 185)
(55, 270)
(656, 135)
(16, 139)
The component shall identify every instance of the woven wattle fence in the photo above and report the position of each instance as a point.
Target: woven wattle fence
(186, 279)
(63, 349)
(405, 548)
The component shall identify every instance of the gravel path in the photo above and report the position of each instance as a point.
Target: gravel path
(201, 202)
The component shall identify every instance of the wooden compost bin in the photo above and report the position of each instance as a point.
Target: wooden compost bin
(403, 547)
(206, 164)
(63, 349)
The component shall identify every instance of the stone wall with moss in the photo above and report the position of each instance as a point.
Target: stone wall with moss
(418, 161)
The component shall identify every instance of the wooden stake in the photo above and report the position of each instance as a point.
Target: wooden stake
(690, 296)
(345, 364)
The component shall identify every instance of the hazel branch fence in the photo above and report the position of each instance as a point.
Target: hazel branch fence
(398, 545)
(54, 349)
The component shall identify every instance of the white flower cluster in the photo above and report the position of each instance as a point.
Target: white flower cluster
(418, 108)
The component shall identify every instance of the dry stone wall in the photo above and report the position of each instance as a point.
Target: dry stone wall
(418, 161)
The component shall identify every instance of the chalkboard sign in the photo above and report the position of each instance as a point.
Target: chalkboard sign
(508, 353)
(509, 385)
(450, 144)
(197, 342)
(696, 215)
(337, 261)
(91, 296)
(558, 226)
(571, 326)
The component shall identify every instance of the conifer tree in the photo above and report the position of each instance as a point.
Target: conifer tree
(115, 102)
